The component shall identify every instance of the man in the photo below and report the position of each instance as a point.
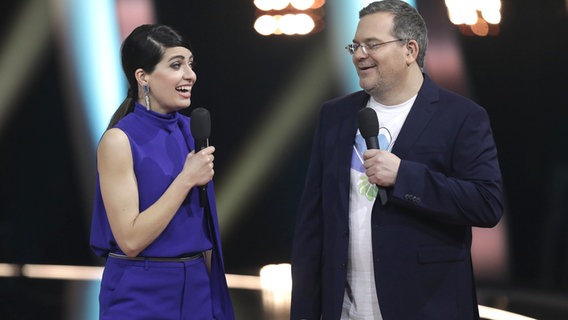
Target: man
(409, 258)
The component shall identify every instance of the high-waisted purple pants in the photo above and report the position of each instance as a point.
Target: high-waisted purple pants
(139, 290)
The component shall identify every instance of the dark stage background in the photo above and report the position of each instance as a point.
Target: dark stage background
(519, 76)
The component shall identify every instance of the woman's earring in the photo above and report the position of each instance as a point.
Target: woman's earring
(147, 96)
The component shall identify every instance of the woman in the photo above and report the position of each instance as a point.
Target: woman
(147, 217)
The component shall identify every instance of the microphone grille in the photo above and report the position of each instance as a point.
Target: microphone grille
(200, 122)
(368, 122)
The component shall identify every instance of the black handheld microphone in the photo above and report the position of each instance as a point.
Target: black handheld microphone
(369, 127)
(200, 122)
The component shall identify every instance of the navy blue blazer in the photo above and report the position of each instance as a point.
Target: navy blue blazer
(448, 181)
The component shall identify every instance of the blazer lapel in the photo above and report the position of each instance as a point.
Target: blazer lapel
(417, 118)
(346, 138)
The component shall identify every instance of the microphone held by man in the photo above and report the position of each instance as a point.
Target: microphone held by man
(369, 127)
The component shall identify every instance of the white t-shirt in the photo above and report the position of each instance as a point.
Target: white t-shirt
(360, 300)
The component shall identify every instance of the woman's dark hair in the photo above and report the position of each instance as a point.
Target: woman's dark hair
(143, 48)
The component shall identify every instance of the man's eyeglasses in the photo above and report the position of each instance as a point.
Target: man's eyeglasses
(367, 48)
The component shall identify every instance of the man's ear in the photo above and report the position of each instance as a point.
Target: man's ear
(412, 50)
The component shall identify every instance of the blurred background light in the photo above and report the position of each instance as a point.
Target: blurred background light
(283, 17)
(276, 284)
(288, 24)
(267, 5)
(480, 18)
(302, 4)
(21, 51)
(266, 25)
(93, 26)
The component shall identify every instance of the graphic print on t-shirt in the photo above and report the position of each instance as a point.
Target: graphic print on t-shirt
(366, 189)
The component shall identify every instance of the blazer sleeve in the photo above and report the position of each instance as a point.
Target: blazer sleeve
(454, 178)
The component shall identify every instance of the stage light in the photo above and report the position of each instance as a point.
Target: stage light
(9, 270)
(267, 5)
(319, 3)
(274, 281)
(288, 24)
(266, 25)
(276, 284)
(305, 24)
(288, 17)
(302, 4)
(479, 18)
(492, 16)
(296, 24)
(480, 28)
(263, 5)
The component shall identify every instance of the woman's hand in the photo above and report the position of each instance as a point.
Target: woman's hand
(198, 167)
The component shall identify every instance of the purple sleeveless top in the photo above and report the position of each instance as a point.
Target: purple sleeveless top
(159, 144)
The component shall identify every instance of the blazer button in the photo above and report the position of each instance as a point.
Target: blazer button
(343, 266)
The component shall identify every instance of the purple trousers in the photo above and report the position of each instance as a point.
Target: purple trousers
(139, 290)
